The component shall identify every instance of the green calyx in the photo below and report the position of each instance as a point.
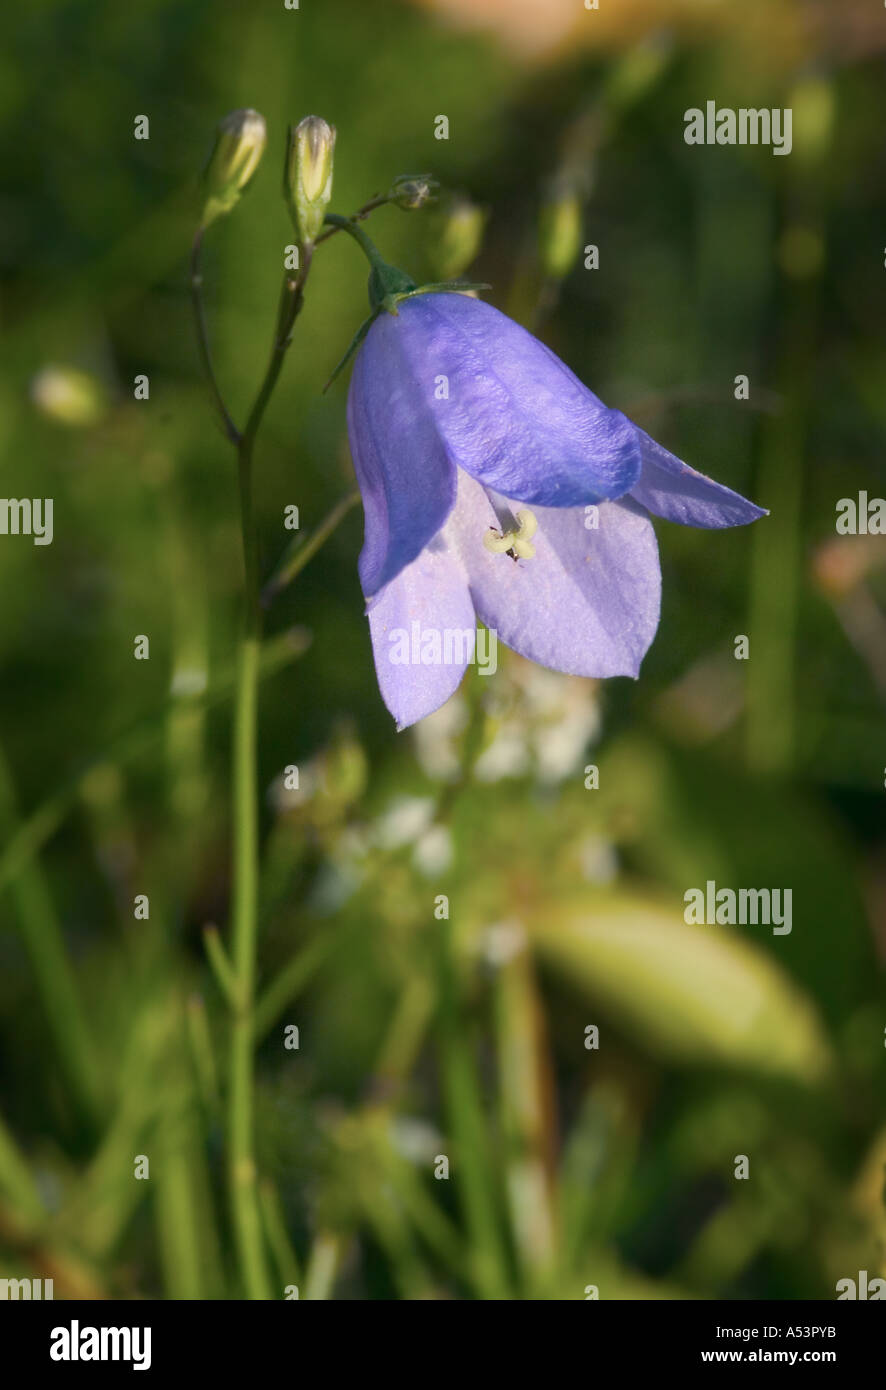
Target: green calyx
(388, 286)
(387, 295)
(388, 302)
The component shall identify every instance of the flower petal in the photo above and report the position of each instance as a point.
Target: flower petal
(586, 604)
(406, 480)
(509, 412)
(426, 601)
(671, 489)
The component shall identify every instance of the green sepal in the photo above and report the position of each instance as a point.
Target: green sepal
(384, 296)
(392, 299)
(444, 287)
(354, 344)
(387, 284)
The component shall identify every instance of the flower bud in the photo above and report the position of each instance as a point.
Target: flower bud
(411, 191)
(460, 234)
(307, 176)
(239, 145)
(559, 232)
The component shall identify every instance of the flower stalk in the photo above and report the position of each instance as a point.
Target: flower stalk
(240, 965)
(242, 1174)
(230, 429)
(243, 1190)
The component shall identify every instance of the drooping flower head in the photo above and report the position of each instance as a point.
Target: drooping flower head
(497, 487)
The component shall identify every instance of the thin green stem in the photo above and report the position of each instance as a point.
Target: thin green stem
(379, 201)
(241, 1163)
(221, 966)
(324, 1261)
(291, 300)
(242, 1177)
(16, 1180)
(25, 842)
(202, 1055)
(363, 240)
(302, 550)
(228, 425)
(771, 678)
(274, 1218)
(466, 1115)
(55, 979)
(279, 994)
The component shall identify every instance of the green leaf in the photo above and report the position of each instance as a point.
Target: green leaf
(690, 994)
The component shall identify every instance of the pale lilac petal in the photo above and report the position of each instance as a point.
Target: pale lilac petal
(671, 489)
(586, 604)
(507, 409)
(431, 593)
(406, 480)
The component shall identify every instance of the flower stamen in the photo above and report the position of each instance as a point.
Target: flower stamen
(516, 543)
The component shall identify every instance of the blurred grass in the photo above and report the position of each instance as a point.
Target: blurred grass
(423, 1036)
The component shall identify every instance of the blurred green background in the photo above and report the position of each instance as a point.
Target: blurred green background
(422, 1036)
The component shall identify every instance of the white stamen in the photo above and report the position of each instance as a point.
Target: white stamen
(517, 542)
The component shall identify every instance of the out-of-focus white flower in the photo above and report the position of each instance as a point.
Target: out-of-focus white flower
(599, 861)
(435, 739)
(336, 881)
(542, 723)
(502, 941)
(508, 754)
(415, 1140)
(433, 852)
(283, 798)
(407, 818)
